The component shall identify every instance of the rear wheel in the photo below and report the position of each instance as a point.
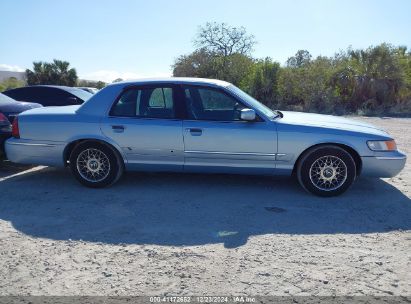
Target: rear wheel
(95, 165)
(326, 171)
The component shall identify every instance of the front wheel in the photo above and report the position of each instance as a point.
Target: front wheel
(95, 165)
(326, 171)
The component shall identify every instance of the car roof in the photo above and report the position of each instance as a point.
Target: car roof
(65, 88)
(79, 93)
(174, 80)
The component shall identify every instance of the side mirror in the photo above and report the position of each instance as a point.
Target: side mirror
(247, 114)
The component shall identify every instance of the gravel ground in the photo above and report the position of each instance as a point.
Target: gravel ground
(174, 234)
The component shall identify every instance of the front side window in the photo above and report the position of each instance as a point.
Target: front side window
(253, 102)
(145, 102)
(211, 104)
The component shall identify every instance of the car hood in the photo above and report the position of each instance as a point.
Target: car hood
(330, 122)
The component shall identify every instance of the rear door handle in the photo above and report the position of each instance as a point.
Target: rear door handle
(118, 129)
(195, 131)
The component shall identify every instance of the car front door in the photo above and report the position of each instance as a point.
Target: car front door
(143, 123)
(217, 140)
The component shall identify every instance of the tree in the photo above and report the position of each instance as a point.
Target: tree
(224, 40)
(10, 83)
(58, 73)
(204, 64)
(222, 52)
(373, 80)
(100, 84)
(234, 68)
(91, 84)
(63, 74)
(262, 81)
(118, 80)
(378, 76)
(302, 57)
(405, 65)
(200, 63)
(307, 86)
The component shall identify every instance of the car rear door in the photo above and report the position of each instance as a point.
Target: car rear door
(144, 123)
(216, 140)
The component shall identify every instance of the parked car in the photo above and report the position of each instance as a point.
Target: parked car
(89, 89)
(48, 95)
(200, 125)
(9, 109)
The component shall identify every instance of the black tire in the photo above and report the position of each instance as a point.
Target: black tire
(113, 164)
(312, 176)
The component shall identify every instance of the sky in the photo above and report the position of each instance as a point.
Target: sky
(109, 39)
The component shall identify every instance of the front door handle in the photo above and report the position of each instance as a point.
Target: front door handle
(118, 129)
(195, 131)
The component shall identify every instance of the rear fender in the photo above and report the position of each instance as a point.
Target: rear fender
(75, 139)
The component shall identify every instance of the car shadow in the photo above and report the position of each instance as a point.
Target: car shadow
(188, 209)
(8, 168)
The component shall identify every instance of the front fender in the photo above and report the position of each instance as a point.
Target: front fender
(293, 142)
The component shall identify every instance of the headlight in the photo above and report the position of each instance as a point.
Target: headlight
(388, 145)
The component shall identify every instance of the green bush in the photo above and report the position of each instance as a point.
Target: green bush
(373, 81)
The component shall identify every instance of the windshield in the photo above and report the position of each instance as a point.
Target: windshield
(252, 102)
(83, 95)
(5, 99)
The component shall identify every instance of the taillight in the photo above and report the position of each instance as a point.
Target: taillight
(15, 128)
(3, 118)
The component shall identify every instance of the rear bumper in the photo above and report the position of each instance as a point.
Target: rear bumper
(387, 165)
(35, 152)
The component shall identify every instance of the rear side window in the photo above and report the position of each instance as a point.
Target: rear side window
(54, 97)
(81, 95)
(43, 95)
(20, 94)
(145, 102)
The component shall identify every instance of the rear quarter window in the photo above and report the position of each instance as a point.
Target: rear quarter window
(20, 94)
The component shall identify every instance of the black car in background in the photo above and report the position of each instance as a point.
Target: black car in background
(9, 109)
(48, 95)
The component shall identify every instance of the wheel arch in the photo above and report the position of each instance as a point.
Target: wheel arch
(74, 143)
(354, 154)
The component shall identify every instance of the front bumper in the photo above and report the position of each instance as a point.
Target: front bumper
(388, 164)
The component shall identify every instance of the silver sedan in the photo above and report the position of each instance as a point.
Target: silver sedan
(204, 126)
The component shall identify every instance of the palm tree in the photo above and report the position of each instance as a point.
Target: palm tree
(58, 72)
